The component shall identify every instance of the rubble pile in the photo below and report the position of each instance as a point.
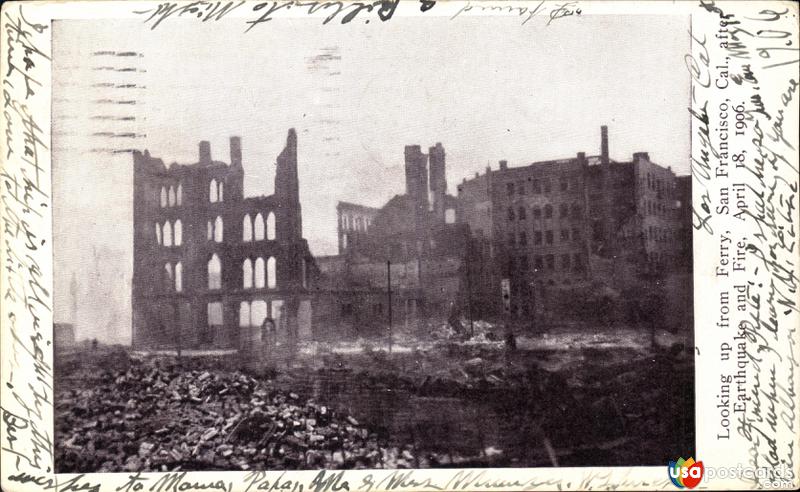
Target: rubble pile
(155, 416)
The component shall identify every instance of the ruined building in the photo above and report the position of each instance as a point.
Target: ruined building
(416, 233)
(211, 265)
(588, 222)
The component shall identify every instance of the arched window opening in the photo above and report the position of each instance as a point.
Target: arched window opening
(247, 274)
(178, 232)
(271, 277)
(214, 273)
(259, 273)
(220, 190)
(218, 230)
(167, 234)
(270, 226)
(179, 195)
(247, 229)
(210, 231)
(178, 277)
(158, 233)
(449, 216)
(163, 197)
(258, 228)
(244, 314)
(171, 196)
(213, 194)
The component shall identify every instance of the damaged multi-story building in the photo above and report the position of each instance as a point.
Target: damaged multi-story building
(413, 245)
(583, 224)
(210, 265)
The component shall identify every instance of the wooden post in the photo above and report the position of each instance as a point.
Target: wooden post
(389, 294)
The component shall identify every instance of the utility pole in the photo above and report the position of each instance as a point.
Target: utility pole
(389, 295)
(469, 291)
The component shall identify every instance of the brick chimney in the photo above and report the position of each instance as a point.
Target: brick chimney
(604, 144)
(205, 152)
(236, 151)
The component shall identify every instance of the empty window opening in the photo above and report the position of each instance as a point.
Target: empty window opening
(247, 229)
(258, 312)
(270, 226)
(168, 274)
(167, 234)
(178, 233)
(244, 314)
(259, 273)
(218, 230)
(247, 274)
(214, 314)
(213, 194)
(214, 273)
(178, 277)
(258, 228)
(271, 274)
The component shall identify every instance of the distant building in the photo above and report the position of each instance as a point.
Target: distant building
(581, 221)
(209, 264)
(63, 335)
(353, 221)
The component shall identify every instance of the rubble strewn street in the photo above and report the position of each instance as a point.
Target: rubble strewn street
(437, 402)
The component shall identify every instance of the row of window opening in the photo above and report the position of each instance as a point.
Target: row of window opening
(541, 186)
(567, 263)
(355, 223)
(545, 237)
(257, 229)
(170, 233)
(171, 196)
(564, 211)
(255, 274)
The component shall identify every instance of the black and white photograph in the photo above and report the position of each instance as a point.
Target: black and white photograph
(452, 241)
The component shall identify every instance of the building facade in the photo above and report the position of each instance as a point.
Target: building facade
(210, 265)
(589, 222)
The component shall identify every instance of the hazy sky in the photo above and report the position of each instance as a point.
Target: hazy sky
(487, 88)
